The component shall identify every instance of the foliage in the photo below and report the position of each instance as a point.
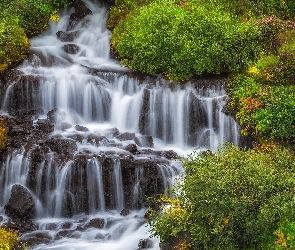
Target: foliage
(263, 98)
(230, 199)
(8, 239)
(3, 136)
(164, 37)
(21, 19)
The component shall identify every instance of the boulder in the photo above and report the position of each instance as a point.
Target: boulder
(21, 205)
(145, 244)
(126, 136)
(56, 115)
(67, 36)
(96, 223)
(71, 48)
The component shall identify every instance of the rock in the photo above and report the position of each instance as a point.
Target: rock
(67, 225)
(62, 146)
(132, 148)
(96, 223)
(51, 226)
(125, 212)
(45, 126)
(112, 132)
(81, 128)
(81, 11)
(37, 238)
(98, 140)
(63, 126)
(62, 234)
(126, 136)
(67, 36)
(144, 141)
(71, 48)
(145, 244)
(21, 205)
(56, 115)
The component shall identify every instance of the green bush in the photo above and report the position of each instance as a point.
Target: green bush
(14, 44)
(22, 19)
(263, 98)
(164, 37)
(230, 199)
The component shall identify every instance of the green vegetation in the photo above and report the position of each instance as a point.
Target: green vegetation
(8, 239)
(232, 199)
(3, 136)
(263, 97)
(19, 20)
(181, 39)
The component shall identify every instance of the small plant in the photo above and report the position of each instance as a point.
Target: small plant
(8, 239)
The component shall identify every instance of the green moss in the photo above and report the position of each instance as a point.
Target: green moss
(3, 136)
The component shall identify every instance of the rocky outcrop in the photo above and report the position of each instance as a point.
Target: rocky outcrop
(21, 205)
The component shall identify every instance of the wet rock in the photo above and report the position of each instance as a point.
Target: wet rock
(126, 136)
(125, 212)
(170, 154)
(132, 148)
(98, 140)
(96, 223)
(144, 141)
(21, 205)
(63, 234)
(45, 126)
(67, 36)
(76, 137)
(145, 244)
(67, 225)
(81, 128)
(71, 48)
(112, 133)
(81, 11)
(75, 235)
(37, 238)
(56, 115)
(51, 226)
(63, 126)
(11, 75)
(62, 146)
(1, 219)
(21, 226)
(38, 154)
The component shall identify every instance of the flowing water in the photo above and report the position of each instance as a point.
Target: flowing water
(78, 78)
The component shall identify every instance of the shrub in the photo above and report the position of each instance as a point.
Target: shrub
(164, 37)
(14, 44)
(263, 98)
(3, 136)
(230, 199)
(8, 239)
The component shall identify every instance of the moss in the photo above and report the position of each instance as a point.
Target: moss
(3, 135)
(8, 239)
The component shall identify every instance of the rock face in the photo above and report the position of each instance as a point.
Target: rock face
(21, 205)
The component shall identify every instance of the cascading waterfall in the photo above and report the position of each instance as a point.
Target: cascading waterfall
(119, 133)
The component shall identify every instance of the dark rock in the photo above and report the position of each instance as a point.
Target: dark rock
(51, 226)
(38, 154)
(125, 212)
(56, 116)
(75, 235)
(21, 205)
(45, 126)
(62, 146)
(62, 234)
(132, 148)
(71, 48)
(98, 140)
(144, 141)
(170, 154)
(76, 137)
(10, 76)
(81, 128)
(145, 244)
(67, 36)
(1, 218)
(37, 238)
(126, 136)
(67, 225)
(81, 11)
(96, 223)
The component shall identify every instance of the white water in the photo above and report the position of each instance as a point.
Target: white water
(179, 118)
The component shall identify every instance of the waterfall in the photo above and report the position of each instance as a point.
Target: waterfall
(102, 138)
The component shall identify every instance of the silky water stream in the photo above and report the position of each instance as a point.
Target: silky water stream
(115, 136)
